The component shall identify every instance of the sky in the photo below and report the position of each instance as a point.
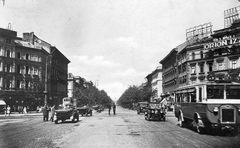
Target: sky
(113, 43)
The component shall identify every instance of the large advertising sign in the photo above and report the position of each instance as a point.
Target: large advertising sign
(222, 43)
(198, 33)
(230, 16)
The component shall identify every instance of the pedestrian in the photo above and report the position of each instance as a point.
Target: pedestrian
(52, 113)
(25, 110)
(28, 110)
(8, 110)
(45, 113)
(5, 111)
(109, 109)
(114, 108)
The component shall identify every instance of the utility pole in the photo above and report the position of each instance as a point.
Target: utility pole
(45, 91)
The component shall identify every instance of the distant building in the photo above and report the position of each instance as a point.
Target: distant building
(154, 79)
(75, 83)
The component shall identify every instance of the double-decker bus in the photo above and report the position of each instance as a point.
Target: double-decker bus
(209, 106)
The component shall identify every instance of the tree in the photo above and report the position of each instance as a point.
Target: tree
(92, 96)
(135, 94)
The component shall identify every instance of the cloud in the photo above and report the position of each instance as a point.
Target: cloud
(96, 61)
(130, 72)
(129, 41)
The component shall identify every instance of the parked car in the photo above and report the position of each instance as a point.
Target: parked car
(85, 110)
(66, 113)
(155, 111)
(141, 107)
(98, 108)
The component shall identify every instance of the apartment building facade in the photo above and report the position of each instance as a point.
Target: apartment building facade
(26, 71)
(154, 79)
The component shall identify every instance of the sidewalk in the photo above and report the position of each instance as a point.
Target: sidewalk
(16, 114)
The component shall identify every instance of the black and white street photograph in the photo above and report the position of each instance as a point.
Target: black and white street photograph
(119, 73)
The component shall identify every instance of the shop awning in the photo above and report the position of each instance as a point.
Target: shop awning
(2, 102)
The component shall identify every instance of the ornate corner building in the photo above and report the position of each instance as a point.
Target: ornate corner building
(205, 56)
(32, 72)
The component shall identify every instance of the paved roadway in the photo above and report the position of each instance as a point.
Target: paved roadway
(126, 129)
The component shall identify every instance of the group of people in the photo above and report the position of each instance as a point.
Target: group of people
(114, 108)
(7, 111)
(45, 111)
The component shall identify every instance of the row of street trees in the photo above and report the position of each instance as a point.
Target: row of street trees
(135, 94)
(92, 96)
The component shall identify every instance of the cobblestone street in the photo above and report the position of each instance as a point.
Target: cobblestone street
(125, 129)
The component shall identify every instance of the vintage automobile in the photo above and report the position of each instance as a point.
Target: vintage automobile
(85, 110)
(66, 111)
(65, 114)
(141, 107)
(98, 108)
(155, 111)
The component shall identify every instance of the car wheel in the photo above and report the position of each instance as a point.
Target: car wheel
(180, 122)
(148, 117)
(200, 129)
(164, 118)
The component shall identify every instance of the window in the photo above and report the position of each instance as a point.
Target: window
(234, 64)
(201, 54)
(8, 53)
(18, 55)
(27, 84)
(8, 68)
(193, 69)
(210, 66)
(200, 94)
(27, 70)
(8, 84)
(8, 41)
(220, 66)
(27, 56)
(201, 66)
(18, 69)
(18, 84)
(35, 71)
(1, 51)
(215, 91)
(233, 92)
(193, 96)
(193, 56)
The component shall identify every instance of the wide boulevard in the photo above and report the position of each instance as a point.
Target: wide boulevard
(126, 129)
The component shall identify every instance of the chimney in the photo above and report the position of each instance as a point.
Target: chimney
(29, 37)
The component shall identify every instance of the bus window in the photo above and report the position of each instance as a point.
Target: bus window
(193, 96)
(215, 91)
(233, 92)
(186, 97)
(200, 94)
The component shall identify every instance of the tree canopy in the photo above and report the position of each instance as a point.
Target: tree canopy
(135, 94)
(92, 96)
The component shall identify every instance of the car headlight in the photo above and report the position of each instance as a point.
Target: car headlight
(215, 110)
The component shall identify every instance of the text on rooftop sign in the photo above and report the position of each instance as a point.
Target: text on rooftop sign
(222, 43)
